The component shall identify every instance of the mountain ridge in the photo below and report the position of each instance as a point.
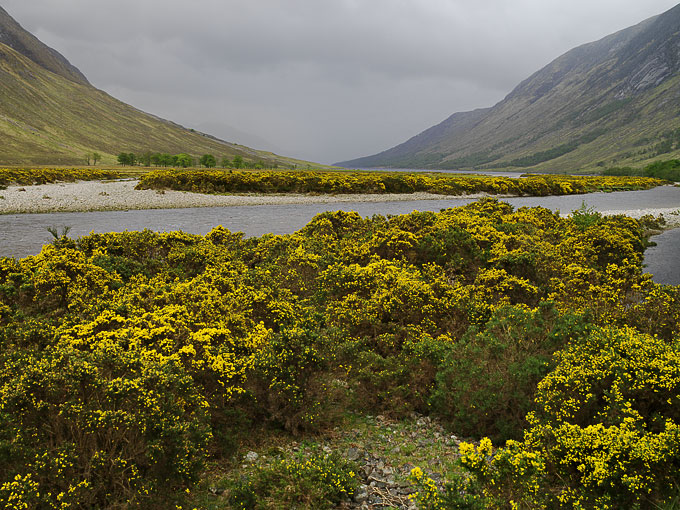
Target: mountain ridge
(51, 115)
(597, 104)
(16, 37)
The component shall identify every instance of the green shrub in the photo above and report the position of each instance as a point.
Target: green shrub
(221, 181)
(605, 434)
(96, 428)
(318, 482)
(486, 384)
(292, 379)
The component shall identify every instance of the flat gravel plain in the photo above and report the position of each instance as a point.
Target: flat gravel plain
(121, 195)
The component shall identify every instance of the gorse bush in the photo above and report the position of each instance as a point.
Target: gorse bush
(220, 181)
(486, 382)
(605, 433)
(97, 426)
(28, 176)
(131, 359)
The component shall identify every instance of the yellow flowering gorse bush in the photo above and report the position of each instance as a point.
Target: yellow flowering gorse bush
(131, 358)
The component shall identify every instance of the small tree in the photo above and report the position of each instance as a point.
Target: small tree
(238, 162)
(96, 157)
(226, 162)
(145, 159)
(208, 161)
(183, 160)
(126, 158)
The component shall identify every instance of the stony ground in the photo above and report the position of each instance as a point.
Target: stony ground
(119, 195)
(384, 450)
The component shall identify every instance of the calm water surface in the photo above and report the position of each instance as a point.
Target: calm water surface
(24, 234)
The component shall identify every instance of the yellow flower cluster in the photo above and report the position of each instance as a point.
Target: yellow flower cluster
(229, 181)
(605, 434)
(28, 176)
(129, 357)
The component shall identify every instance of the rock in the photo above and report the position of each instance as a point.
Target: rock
(361, 495)
(375, 500)
(354, 454)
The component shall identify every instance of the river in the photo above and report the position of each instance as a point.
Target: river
(24, 234)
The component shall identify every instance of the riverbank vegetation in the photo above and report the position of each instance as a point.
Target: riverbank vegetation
(136, 364)
(667, 170)
(220, 181)
(184, 160)
(29, 176)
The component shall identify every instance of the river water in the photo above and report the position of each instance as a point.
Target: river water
(24, 234)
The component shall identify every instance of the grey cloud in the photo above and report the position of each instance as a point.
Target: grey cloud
(323, 79)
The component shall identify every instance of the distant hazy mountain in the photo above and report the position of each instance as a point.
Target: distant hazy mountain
(50, 114)
(611, 102)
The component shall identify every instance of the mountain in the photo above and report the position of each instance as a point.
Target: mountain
(611, 102)
(51, 115)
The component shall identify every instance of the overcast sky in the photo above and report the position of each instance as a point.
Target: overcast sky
(324, 80)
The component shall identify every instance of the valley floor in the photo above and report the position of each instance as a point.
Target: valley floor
(121, 195)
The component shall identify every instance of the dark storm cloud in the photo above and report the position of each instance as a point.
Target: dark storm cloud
(321, 79)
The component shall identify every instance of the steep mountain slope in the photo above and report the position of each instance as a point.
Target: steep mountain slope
(614, 101)
(50, 114)
(14, 36)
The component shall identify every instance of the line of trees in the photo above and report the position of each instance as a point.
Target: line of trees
(184, 160)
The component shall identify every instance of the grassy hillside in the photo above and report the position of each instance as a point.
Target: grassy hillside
(46, 118)
(611, 102)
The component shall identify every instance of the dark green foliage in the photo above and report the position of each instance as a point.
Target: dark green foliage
(606, 110)
(585, 217)
(208, 161)
(127, 159)
(486, 384)
(291, 380)
(145, 159)
(668, 170)
(556, 152)
(457, 312)
(183, 160)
